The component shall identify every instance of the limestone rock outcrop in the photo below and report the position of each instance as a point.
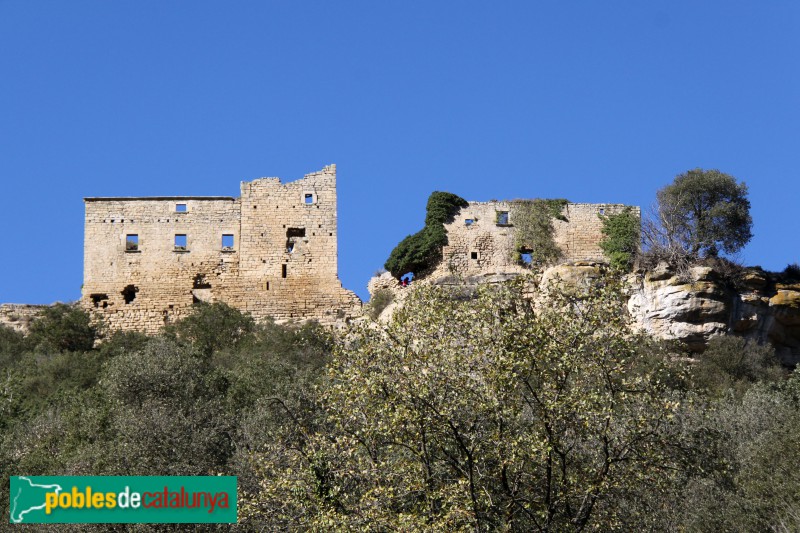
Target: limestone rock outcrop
(571, 275)
(691, 311)
(386, 283)
(691, 308)
(19, 316)
(702, 305)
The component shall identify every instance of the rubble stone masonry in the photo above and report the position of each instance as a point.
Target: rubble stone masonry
(271, 253)
(482, 242)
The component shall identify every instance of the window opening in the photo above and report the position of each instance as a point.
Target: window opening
(99, 300)
(129, 293)
(602, 211)
(473, 255)
(283, 271)
(131, 243)
(292, 236)
(180, 242)
(308, 198)
(200, 282)
(180, 208)
(526, 258)
(227, 242)
(502, 218)
(469, 222)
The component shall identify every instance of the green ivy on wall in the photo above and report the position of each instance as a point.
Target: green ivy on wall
(622, 234)
(533, 220)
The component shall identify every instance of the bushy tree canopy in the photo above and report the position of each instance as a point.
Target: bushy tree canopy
(484, 412)
(212, 327)
(62, 327)
(421, 251)
(703, 212)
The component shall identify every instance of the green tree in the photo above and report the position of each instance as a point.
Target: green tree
(166, 412)
(422, 250)
(213, 327)
(62, 327)
(733, 363)
(12, 343)
(491, 412)
(703, 212)
(758, 441)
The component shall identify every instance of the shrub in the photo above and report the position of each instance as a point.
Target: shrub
(120, 342)
(62, 328)
(380, 301)
(735, 363)
(213, 327)
(423, 250)
(11, 344)
(791, 274)
(167, 412)
(621, 242)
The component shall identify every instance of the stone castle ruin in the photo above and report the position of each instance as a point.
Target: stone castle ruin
(482, 238)
(272, 252)
(483, 244)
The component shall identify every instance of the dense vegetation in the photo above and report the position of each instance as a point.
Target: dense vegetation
(481, 411)
(484, 411)
(533, 221)
(621, 238)
(421, 251)
(197, 400)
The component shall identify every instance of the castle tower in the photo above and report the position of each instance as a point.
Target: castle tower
(271, 253)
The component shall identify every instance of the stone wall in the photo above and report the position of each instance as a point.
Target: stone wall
(579, 236)
(479, 245)
(271, 253)
(20, 316)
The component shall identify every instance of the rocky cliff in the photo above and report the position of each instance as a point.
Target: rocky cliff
(702, 304)
(690, 308)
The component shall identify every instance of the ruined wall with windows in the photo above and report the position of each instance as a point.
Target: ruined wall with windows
(271, 253)
(482, 238)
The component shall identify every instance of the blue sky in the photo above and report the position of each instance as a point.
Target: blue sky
(591, 101)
